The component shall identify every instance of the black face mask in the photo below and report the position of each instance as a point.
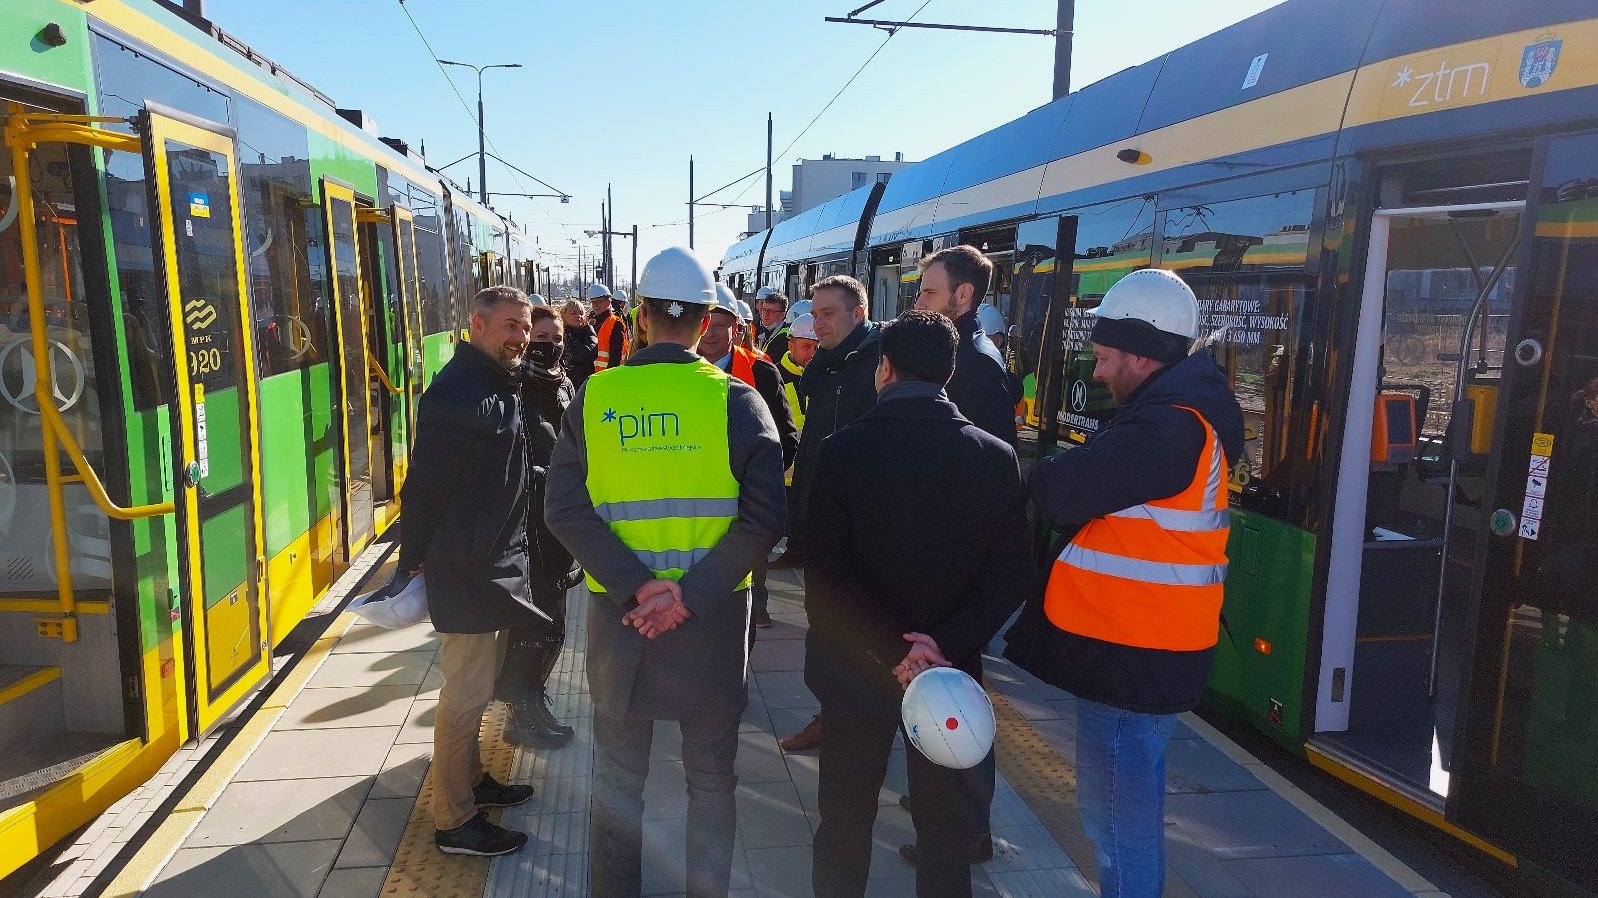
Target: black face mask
(543, 355)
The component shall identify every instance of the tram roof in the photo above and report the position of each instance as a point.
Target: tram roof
(1027, 166)
(823, 230)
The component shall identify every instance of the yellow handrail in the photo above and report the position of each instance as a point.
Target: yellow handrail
(371, 362)
(23, 132)
(90, 479)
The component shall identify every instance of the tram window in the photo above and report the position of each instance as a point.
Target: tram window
(467, 277)
(1245, 260)
(1112, 241)
(282, 225)
(119, 69)
(24, 501)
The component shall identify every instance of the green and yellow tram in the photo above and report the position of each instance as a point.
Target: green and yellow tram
(1387, 211)
(220, 298)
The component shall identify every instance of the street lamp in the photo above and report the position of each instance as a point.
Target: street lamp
(482, 150)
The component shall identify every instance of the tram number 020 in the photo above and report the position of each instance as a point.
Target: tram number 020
(204, 362)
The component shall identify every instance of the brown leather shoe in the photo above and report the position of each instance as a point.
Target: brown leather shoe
(804, 740)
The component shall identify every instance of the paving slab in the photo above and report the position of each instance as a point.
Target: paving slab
(373, 669)
(375, 837)
(306, 754)
(1324, 876)
(1248, 825)
(354, 883)
(348, 706)
(282, 811)
(277, 870)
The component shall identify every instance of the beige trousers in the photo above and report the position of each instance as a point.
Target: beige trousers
(470, 663)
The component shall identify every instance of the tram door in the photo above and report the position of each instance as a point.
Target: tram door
(1427, 378)
(411, 314)
(1530, 769)
(352, 390)
(202, 264)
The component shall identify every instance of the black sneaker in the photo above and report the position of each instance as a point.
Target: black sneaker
(479, 837)
(762, 618)
(980, 854)
(491, 793)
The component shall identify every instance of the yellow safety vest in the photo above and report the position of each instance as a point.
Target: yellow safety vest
(795, 403)
(658, 468)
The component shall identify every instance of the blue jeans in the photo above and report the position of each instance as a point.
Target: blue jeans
(1120, 771)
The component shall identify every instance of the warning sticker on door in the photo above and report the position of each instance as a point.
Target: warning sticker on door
(1532, 510)
(1528, 529)
(201, 444)
(1536, 486)
(1542, 444)
(1539, 466)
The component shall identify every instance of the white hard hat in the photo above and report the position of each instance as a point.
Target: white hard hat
(745, 314)
(402, 603)
(598, 291)
(1156, 297)
(676, 273)
(726, 301)
(621, 295)
(802, 307)
(803, 327)
(948, 717)
(536, 299)
(764, 292)
(990, 319)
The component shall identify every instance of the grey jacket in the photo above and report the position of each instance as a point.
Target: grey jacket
(702, 665)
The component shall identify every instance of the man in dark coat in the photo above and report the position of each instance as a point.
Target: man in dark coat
(953, 282)
(465, 521)
(839, 386)
(919, 552)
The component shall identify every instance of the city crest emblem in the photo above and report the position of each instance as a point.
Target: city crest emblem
(1538, 61)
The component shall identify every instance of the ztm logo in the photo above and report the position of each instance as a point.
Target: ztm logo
(644, 424)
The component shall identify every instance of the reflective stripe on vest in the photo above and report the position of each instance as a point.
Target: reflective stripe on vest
(1151, 576)
(607, 328)
(658, 469)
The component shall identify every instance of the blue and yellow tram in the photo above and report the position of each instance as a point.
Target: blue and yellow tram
(1389, 212)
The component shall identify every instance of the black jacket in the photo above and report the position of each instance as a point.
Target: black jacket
(581, 349)
(1148, 451)
(465, 498)
(839, 385)
(918, 523)
(980, 387)
(552, 571)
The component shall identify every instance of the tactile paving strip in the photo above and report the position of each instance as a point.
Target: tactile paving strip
(420, 869)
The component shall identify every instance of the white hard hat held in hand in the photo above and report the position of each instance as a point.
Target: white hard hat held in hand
(402, 603)
(948, 717)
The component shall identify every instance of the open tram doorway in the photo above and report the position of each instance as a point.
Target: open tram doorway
(352, 381)
(1412, 491)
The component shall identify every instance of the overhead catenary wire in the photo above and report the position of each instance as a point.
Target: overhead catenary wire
(433, 55)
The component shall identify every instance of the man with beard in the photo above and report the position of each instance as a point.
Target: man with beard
(465, 521)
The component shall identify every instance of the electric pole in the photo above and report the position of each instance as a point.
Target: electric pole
(482, 140)
(690, 202)
(768, 170)
(1064, 24)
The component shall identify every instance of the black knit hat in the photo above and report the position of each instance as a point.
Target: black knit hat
(1140, 338)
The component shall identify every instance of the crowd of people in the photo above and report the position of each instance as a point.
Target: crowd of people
(659, 453)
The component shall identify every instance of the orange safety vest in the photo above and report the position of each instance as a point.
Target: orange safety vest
(743, 365)
(606, 328)
(1151, 576)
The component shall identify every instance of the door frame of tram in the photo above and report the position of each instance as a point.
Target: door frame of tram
(208, 702)
(354, 530)
(1523, 572)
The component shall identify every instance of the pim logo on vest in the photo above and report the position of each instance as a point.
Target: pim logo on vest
(653, 428)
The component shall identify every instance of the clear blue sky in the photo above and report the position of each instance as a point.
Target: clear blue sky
(623, 91)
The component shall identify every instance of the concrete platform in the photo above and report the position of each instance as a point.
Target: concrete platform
(330, 800)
